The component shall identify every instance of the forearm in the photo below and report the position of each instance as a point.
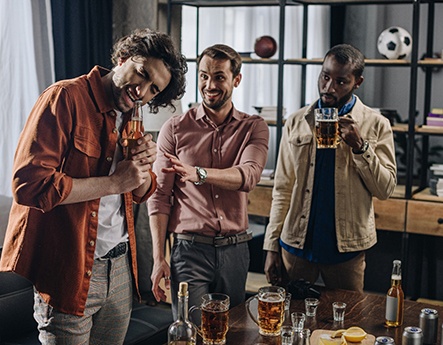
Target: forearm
(230, 178)
(90, 188)
(158, 223)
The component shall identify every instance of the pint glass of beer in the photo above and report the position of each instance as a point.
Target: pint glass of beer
(214, 318)
(270, 310)
(326, 128)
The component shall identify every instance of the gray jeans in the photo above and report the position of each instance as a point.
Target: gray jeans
(208, 269)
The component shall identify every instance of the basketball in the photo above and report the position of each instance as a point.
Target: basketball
(265, 46)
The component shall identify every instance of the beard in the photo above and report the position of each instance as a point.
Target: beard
(217, 104)
(335, 103)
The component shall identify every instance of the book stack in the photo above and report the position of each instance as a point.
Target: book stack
(269, 113)
(436, 179)
(435, 117)
(267, 174)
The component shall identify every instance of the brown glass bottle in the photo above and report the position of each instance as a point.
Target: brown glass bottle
(395, 298)
(135, 130)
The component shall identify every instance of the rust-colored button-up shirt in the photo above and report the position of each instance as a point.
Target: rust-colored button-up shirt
(70, 133)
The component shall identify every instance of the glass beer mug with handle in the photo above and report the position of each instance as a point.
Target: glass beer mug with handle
(214, 318)
(326, 128)
(270, 310)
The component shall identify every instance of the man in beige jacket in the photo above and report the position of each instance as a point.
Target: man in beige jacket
(322, 216)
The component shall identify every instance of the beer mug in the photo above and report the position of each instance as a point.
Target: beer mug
(326, 128)
(270, 310)
(214, 318)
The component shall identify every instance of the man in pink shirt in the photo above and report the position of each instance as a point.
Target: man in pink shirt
(209, 159)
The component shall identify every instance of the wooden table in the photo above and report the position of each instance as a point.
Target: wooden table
(364, 310)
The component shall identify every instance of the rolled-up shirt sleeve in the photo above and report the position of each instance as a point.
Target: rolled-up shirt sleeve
(38, 177)
(254, 156)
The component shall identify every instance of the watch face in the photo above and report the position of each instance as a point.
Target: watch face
(202, 173)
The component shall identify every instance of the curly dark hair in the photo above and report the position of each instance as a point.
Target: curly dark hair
(346, 53)
(149, 43)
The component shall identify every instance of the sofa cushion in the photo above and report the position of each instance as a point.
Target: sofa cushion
(16, 307)
(149, 324)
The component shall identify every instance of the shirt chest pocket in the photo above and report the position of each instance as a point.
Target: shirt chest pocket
(83, 157)
(85, 141)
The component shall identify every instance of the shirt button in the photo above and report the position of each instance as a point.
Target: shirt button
(91, 243)
(307, 190)
(89, 273)
(216, 196)
(215, 150)
(112, 113)
(93, 214)
(221, 217)
(114, 130)
(109, 159)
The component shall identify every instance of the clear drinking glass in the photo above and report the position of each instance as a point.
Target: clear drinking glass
(338, 309)
(298, 321)
(311, 305)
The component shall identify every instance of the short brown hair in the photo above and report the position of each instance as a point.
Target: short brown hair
(223, 52)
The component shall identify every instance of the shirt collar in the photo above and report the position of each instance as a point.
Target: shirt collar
(94, 77)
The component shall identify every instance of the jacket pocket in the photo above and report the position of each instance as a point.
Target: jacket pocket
(301, 140)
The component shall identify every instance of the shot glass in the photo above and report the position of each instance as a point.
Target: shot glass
(311, 305)
(287, 335)
(298, 321)
(288, 298)
(338, 310)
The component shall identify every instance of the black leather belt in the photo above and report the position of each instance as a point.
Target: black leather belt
(119, 250)
(217, 241)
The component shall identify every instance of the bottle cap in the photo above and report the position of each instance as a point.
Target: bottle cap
(183, 289)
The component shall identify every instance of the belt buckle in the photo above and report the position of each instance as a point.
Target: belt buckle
(218, 241)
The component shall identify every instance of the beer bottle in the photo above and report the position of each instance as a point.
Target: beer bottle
(135, 130)
(395, 298)
(181, 331)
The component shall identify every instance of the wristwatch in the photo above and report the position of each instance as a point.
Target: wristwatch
(202, 174)
(364, 147)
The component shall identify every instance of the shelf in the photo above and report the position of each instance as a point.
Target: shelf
(319, 61)
(359, 2)
(424, 129)
(425, 195)
(220, 3)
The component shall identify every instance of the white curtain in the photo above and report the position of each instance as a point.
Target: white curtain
(238, 27)
(26, 68)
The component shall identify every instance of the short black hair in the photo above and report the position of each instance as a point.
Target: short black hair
(348, 54)
(149, 43)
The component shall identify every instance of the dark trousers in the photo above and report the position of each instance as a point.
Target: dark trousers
(208, 269)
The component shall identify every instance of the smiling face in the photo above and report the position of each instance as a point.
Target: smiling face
(216, 83)
(336, 83)
(138, 78)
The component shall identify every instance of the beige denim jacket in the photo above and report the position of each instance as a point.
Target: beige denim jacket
(357, 179)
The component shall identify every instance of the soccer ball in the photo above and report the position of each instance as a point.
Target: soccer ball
(394, 43)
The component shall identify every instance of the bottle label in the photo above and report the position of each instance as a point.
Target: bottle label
(391, 308)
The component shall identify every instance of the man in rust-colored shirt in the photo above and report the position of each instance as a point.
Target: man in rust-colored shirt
(71, 229)
(209, 159)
